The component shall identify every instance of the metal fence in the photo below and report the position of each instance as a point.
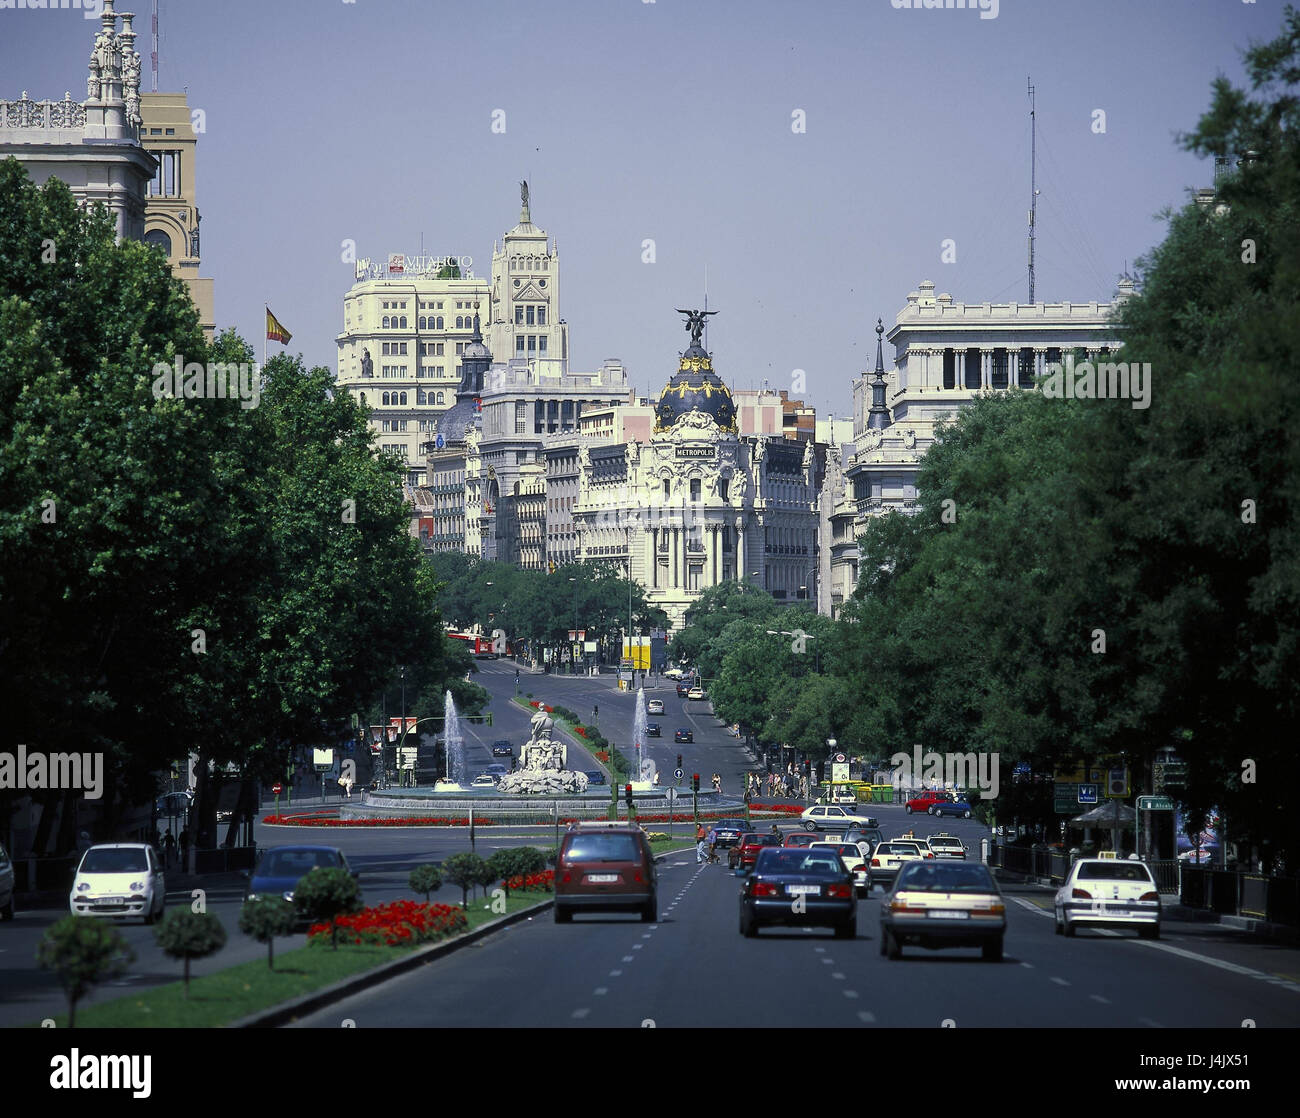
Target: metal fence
(1270, 897)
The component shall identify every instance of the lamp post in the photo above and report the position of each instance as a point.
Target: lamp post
(573, 658)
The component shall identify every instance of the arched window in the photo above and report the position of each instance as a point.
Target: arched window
(403, 397)
(440, 397)
(422, 321)
(362, 398)
(403, 322)
(384, 398)
(385, 322)
(458, 321)
(419, 395)
(440, 325)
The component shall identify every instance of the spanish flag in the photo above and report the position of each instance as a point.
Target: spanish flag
(274, 331)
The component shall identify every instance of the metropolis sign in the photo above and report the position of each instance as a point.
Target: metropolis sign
(695, 452)
(412, 264)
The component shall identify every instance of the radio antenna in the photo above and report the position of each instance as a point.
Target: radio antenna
(1033, 182)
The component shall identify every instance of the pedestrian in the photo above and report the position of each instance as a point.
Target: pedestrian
(700, 835)
(713, 844)
(183, 846)
(169, 848)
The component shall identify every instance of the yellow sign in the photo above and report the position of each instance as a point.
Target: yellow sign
(638, 654)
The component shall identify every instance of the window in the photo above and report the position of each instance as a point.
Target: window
(384, 351)
(1026, 370)
(440, 397)
(521, 417)
(403, 319)
(724, 484)
(972, 368)
(159, 238)
(532, 343)
(530, 319)
(999, 371)
(385, 322)
(949, 369)
(541, 344)
(403, 344)
(459, 321)
(385, 399)
(362, 398)
(667, 489)
(519, 316)
(460, 348)
(541, 316)
(695, 489)
(440, 325)
(403, 397)
(422, 322)
(519, 344)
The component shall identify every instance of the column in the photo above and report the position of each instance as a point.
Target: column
(674, 543)
(741, 573)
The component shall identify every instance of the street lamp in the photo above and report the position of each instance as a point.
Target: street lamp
(573, 658)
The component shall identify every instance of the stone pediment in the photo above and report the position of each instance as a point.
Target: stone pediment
(530, 293)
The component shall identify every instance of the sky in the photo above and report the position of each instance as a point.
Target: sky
(806, 160)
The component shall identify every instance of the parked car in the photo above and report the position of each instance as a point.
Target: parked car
(854, 862)
(652, 730)
(799, 887)
(280, 868)
(696, 693)
(605, 867)
(684, 735)
(829, 816)
(747, 850)
(595, 776)
(6, 885)
(503, 748)
(959, 808)
(1107, 893)
(924, 801)
(119, 879)
(941, 904)
(654, 706)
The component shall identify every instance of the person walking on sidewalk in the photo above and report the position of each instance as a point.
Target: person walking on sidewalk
(169, 848)
(700, 835)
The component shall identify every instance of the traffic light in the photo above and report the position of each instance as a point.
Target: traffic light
(627, 794)
(807, 768)
(695, 782)
(679, 760)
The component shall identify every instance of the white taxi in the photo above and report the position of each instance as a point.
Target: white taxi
(1107, 893)
(853, 861)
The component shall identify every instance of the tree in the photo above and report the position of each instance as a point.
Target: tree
(464, 870)
(324, 894)
(190, 935)
(264, 918)
(426, 880)
(83, 953)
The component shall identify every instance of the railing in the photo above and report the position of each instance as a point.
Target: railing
(26, 113)
(1270, 897)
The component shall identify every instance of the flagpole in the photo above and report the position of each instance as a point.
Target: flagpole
(267, 308)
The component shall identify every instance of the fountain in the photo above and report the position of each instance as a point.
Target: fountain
(454, 744)
(541, 767)
(644, 773)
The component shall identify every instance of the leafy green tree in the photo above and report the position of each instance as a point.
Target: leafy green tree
(426, 880)
(324, 894)
(464, 870)
(264, 918)
(83, 953)
(503, 865)
(190, 935)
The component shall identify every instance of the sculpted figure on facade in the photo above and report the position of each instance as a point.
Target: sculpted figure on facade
(92, 82)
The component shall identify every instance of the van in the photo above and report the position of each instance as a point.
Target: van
(605, 867)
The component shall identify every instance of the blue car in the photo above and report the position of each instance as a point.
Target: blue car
(281, 868)
(951, 807)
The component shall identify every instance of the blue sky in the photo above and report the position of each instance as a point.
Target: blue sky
(672, 121)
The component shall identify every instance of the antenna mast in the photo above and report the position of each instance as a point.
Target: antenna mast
(153, 54)
(1033, 182)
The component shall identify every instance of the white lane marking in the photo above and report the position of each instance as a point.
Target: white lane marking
(839, 974)
(1059, 981)
(628, 958)
(646, 935)
(1149, 1023)
(1030, 966)
(850, 993)
(599, 990)
(615, 973)
(1233, 968)
(866, 1016)
(818, 949)
(830, 961)
(1033, 907)
(637, 946)
(1099, 998)
(581, 1012)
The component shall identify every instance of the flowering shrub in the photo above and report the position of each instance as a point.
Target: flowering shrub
(544, 882)
(582, 730)
(602, 755)
(534, 703)
(396, 924)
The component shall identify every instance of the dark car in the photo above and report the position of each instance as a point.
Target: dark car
(743, 854)
(652, 729)
(728, 831)
(503, 748)
(280, 868)
(684, 735)
(804, 888)
(594, 776)
(802, 838)
(605, 867)
(683, 689)
(951, 807)
(496, 769)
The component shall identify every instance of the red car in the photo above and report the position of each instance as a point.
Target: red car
(742, 855)
(923, 801)
(802, 838)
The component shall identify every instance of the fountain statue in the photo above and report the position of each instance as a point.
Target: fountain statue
(541, 764)
(454, 743)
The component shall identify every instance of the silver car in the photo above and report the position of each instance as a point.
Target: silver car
(938, 904)
(119, 879)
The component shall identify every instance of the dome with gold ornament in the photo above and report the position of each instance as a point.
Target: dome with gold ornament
(695, 386)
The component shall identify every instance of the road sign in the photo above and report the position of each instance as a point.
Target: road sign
(840, 758)
(1155, 803)
(677, 773)
(1066, 797)
(672, 792)
(276, 789)
(1087, 793)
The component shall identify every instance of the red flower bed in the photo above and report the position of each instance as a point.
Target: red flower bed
(399, 821)
(580, 730)
(602, 755)
(789, 809)
(544, 881)
(533, 703)
(395, 924)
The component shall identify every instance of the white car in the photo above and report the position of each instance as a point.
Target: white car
(832, 817)
(654, 706)
(119, 879)
(6, 885)
(483, 780)
(674, 673)
(1106, 893)
(853, 861)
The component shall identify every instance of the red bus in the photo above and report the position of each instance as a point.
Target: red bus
(480, 646)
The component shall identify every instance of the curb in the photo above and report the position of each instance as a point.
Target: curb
(317, 999)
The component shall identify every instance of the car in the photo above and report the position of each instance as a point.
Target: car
(801, 888)
(684, 735)
(652, 730)
(280, 868)
(696, 693)
(854, 862)
(119, 879)
(6, 885)
(683, 689)
(888, 857)
(924, 801)
(484, 780)
(945, 845)
(654, 706)
(1108, 893)
(605, 867)
(801, 838)
(958, 807)
(728, 831)
(866, 838)
(746, 851)
(674, 673)
(595, 776)
(833, 816)
(941, 904)
(503, 748)
(174, 804)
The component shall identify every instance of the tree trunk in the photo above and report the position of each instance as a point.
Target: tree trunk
(270, 953)
(244, 809)
(187, 977)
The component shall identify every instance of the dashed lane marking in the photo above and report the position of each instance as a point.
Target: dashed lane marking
(1060, 981)
(866, 1016)
(580, 1013)
(600, 990)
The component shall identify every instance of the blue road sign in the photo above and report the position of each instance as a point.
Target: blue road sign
(1087, 793)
